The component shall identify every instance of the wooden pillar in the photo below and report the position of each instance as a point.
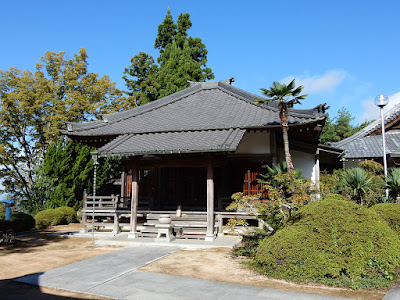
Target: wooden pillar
(210, 202)
(84, 216)
(134, 204)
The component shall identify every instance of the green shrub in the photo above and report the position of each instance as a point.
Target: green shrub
(2, 211)
(68, 212)
(28, 222)
(335, 242)
(390, 212)
(49, 217)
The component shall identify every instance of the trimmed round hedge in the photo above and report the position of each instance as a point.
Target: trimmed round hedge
(335, 242)
(28, 222)
(390, 212)
(68, 212)
(49, 217)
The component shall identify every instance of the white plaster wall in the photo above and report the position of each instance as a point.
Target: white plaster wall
(304, 161)
(255, 143)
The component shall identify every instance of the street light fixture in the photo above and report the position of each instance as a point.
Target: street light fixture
(381, 101)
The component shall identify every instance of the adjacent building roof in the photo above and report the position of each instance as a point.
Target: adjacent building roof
(207, 116)
(367, 143)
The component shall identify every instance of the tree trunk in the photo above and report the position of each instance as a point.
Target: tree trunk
(283, 114)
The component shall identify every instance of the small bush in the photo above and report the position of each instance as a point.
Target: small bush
(390, 212)
(49, 217)
(2, 211)
(68, 212)
(334, 242)
(28, 222)
(371, 166)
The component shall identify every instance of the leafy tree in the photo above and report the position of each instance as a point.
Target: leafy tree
(33, 108)
(287, 96)
(181, 58)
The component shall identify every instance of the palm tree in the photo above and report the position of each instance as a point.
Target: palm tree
(287, 96)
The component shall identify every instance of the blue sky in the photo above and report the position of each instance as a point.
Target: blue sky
(343, 52)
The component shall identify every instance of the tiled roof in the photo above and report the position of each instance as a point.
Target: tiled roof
(173, 142)
(203, 106)
(363, 145)
(371, 146)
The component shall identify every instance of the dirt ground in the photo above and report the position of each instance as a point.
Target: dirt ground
(38, 251)
(218, 264)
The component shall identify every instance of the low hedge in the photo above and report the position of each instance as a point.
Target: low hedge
(28, 222)
(49, 217)
(334, 242)
(68, 212)
(390, 212)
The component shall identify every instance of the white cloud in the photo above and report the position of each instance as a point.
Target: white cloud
(371, 111)
(316, 84)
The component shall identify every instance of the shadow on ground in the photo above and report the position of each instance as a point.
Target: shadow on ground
(12, 290)
(28, 241)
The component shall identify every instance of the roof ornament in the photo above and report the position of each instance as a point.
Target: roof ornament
(229, 80)
(104, 118)
(322, 108)
(69, 127)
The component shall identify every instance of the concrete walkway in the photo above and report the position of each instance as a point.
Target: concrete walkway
(115, 275)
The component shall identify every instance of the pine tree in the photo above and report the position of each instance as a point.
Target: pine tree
(181, 58)
(339, 128)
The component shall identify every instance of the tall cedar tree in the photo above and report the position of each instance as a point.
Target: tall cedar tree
(33, 108)
(182, 58)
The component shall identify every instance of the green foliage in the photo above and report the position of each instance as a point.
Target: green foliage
(69, 213)
(371, 166)
(182, 58)
(390, 212)
(393, 182)
(277, 169)
(28, 222)
(333, 242)
(33, 107)
(339, 128)
(286, 194)
(359, 183)
(142, 83)
(332, 184)
(49, 217)
(67, 170)
(2, 211)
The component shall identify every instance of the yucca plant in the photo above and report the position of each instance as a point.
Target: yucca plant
(393, 182)
(359, 182)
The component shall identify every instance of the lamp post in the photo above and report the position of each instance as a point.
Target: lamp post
(381, 101)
